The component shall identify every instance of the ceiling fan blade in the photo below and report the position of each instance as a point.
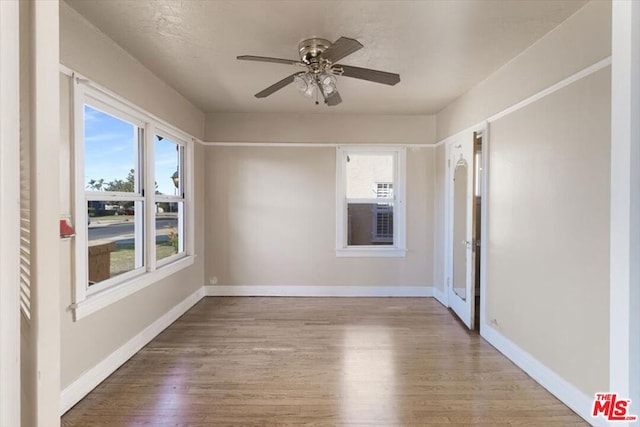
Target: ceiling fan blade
(275, 87)
(342, 47)
(366, 74)
(267, 59)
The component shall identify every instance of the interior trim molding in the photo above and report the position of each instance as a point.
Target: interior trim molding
(478, 127)
(567, 393)
(78, 389)
(311, 144)
(318, 291)
(585, 72)
(553, 88)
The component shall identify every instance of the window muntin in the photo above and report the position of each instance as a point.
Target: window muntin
(370, 219)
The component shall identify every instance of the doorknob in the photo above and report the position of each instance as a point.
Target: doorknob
(467, 244)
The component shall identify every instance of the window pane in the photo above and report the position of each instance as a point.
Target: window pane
(369, 224)
(169, 229)
(365, 172)
(110, 152)
(115, 238)
(167, 166)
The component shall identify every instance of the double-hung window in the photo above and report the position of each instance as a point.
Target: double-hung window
(169, 209)
(132, 212)
(370, 218)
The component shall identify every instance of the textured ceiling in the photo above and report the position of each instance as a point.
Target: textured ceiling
(440, 48)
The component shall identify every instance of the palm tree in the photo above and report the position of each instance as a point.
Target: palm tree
(95, 185)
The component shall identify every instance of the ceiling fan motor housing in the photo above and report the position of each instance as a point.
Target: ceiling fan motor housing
(311, 49)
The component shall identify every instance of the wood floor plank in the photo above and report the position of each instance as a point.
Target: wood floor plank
(319, 362)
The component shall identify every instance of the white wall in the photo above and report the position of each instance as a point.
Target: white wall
(548, 221)
(272, 209)
(331, 128)
(547, 253)
(86, 342)
(271, 220)
(580, 41)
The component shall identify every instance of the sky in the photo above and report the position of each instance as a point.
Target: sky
(110, 151)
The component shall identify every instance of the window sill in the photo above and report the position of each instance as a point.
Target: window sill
(113, 294)
(371, 252)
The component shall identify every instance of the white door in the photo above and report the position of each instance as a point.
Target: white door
(461, 283)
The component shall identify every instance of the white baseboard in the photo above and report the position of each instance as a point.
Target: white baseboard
(568, 394)
(441, 296)
(75, 391)
(318, 291)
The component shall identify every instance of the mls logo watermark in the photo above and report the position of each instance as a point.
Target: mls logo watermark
(611, 408)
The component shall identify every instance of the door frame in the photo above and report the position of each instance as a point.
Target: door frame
(624, 342)
(483, 129)
(10, 217)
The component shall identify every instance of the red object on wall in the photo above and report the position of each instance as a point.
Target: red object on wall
(66, 230)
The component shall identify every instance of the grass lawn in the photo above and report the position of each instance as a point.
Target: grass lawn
(123, 259)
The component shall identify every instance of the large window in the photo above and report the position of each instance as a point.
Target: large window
(370, 201)
(132, 180)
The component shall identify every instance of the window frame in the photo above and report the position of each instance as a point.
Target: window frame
(398, 248)
(85, 299)
(166, 198)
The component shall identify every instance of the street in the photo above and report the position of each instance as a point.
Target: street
(126, 229)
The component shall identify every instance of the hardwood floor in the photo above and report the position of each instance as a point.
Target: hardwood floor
(319, 362)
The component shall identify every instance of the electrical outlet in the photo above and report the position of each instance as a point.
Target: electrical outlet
(213, 280)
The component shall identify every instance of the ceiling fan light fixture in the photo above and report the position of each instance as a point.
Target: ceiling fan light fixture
(305, 84)
(328, 82)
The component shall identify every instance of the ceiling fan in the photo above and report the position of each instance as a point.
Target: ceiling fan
(318, 58)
